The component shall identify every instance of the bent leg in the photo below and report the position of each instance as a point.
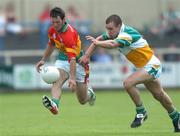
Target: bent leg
(56, 87)
(53, 104)
(85, 94)
(130, 83)
(159, 94)
(157, 91)
(82, 93)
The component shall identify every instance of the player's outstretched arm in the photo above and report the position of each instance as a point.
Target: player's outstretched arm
(104, 44)
(46, 55)
(85, 58)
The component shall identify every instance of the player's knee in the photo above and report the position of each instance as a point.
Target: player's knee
(159, 96)
(127, 84)
(82, 101)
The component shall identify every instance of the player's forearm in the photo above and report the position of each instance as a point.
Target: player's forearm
(47, 53)
(73, 69)
(90, 50)
(92, 47)
(107, 44)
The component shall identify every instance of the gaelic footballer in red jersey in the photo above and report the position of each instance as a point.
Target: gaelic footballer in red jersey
(65, 38)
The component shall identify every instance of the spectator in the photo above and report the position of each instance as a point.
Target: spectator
(12, 26)
(168, 22)
(73, 16)
(160, 26)
(79, 22)
(2, 28)
(171, 57)
(44, 22)
(172, 18)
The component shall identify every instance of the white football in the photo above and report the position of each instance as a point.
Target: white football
(50, 74)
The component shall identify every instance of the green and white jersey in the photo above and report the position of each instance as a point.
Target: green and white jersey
(132, 45)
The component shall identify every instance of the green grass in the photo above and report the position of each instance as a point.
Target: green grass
(22, 114)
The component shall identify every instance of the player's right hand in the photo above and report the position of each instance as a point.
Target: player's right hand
(72, 85)
(39, 64)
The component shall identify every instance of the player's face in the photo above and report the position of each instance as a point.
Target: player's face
(112, 30)
(57, 23)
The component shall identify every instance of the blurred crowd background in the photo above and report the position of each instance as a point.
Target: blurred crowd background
(23, 37)
(24, 24)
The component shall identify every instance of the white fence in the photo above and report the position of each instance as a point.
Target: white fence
(8, 55)
(109, 75)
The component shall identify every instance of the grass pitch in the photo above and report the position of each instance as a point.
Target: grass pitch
(22, 114)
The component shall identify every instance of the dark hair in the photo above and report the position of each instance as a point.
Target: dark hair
(55, 12)
(115, 19)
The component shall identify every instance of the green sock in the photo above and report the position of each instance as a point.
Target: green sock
(174, 115)
(140, 109)
(56, 101)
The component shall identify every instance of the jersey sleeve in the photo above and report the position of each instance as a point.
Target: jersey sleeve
(124, 39)
(105, 36)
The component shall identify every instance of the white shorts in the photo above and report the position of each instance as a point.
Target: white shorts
(81, 74)
(153, 67)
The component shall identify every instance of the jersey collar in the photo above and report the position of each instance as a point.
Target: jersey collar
(122, 28)
(64, 27)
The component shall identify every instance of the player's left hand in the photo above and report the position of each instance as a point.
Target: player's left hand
(92, 39)
(72, 85)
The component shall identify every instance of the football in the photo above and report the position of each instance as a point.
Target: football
(50, 74)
